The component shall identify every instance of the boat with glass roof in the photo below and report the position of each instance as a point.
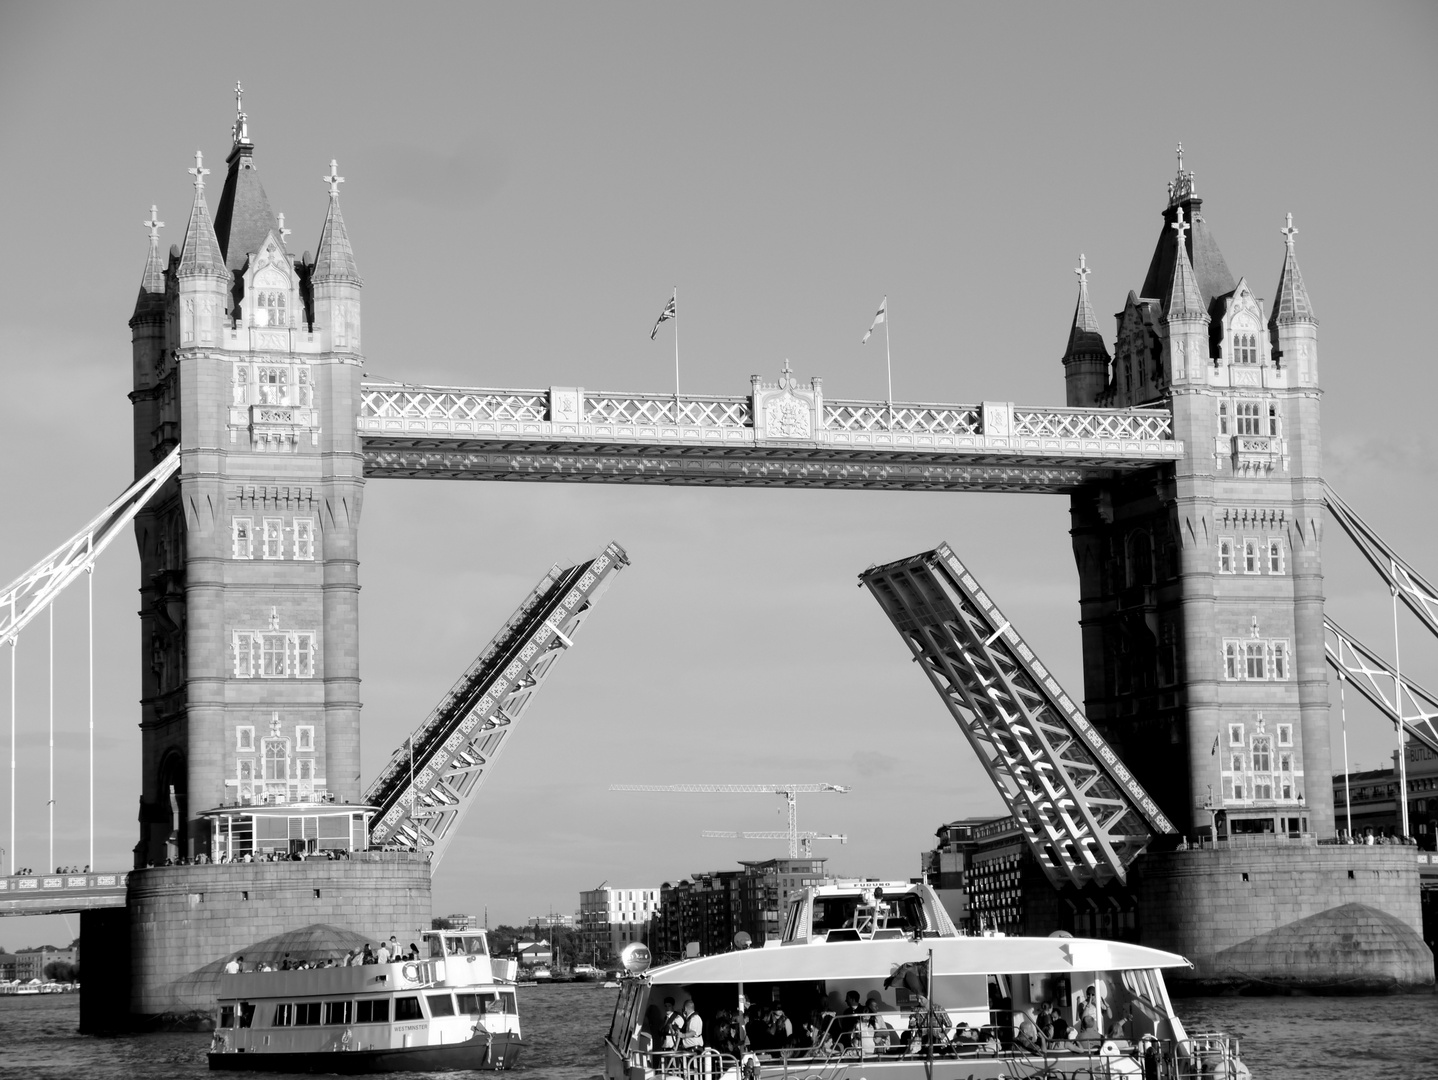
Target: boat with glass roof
(873, 980)
(452, 1008)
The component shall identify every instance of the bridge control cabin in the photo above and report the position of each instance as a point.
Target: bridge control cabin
(287, 829)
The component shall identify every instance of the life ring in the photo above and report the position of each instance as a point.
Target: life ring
(411, 972)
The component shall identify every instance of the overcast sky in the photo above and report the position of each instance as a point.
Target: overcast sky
(525, 185)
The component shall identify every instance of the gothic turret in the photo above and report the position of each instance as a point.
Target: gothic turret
(1086, 359)
(243, 218)
(334, 280)
(1292, 329)
(203, 278)
(1184, 314)
(1210, 272)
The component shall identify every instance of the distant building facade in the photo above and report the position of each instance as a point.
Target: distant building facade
(459, 921)
(31, 963)
(611, 918)
(711, 908)
(1369, 798)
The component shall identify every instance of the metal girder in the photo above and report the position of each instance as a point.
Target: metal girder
(805, 839)
(1410, 586)
(430, 781)
(1085, 816)
(1375, 679)
(33, 591)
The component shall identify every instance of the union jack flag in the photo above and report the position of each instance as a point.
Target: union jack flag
(668, 313)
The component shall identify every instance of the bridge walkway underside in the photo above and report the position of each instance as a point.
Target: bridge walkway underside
(60, 894)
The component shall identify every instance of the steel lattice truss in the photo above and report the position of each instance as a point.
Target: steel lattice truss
(1084, 814)
(1415, 708)
(432, 779)
(33, 591)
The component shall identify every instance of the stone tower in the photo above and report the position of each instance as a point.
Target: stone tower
(247, 358)
(1201, 586)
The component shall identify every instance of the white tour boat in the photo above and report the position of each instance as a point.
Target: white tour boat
(874, 981)
(453, 1009)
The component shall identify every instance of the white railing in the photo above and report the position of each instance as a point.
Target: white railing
(605, 408)
(453, 403)
(871, 416)
(1151, 425)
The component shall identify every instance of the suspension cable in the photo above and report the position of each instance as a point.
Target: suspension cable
(51, 804)
(14, 644)
(90, 583)
(1402, 728)
(1343, 714)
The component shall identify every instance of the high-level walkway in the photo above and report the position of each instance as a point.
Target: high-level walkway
(780, 434)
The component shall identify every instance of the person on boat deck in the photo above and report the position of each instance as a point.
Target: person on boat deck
(1045, 1020)
(369, 956)
(756, 1028)
(413, 951)
(669, 1037)
(235, 966)
(1121, 1027)
(849, 1019)
(1088, 1025)
(691, 1029)
(1026, 1032)
(927, 1026)
(884, 1034)
(781, 1031)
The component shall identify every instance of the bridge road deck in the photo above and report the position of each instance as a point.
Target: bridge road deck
(779, 436)
(60, 894)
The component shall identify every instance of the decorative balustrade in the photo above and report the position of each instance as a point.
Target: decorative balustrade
(458, 412)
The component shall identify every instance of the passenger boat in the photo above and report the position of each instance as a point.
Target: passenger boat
(933, 1003)
(453, 1009)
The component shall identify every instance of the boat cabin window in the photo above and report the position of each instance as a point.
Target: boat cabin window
(440, 1004)
(307, 1013)
(338, 1012)
(247, 1013)
(284, 1014)
(442, 945)
(848, 911)
(372, 1012)
(479, 1004)
(407, 1008)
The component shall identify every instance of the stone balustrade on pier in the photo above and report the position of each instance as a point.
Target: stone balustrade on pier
(780, 434)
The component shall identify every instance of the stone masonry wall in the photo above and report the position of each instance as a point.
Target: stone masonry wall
(1287, 915)
(183, 918)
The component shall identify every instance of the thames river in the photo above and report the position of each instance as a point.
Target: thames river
(1284, 1038)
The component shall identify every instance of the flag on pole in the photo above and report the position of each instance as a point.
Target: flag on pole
(668, 313)
(878, 318)
(1215, 747)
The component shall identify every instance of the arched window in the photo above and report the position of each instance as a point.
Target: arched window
(277, 759)
(1245, 348)
(1249, 418)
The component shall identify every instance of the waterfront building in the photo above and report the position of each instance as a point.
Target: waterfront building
(768, 885)
(459, 921)
(31, 963)
(1370, 798)
(709, 909)
(533, 953)
(611, 918)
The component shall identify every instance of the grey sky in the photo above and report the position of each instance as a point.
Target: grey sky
(525, 185)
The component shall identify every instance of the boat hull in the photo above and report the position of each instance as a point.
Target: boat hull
(499, 1052)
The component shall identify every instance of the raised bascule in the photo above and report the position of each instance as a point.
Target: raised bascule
(1190, 457)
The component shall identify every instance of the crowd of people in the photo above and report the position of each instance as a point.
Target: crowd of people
(26, 871)
(387, 952)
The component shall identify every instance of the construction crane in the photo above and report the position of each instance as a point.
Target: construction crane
(789, 791)
(805, 839)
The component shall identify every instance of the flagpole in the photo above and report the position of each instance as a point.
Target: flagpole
(889, 363)
(676, 354)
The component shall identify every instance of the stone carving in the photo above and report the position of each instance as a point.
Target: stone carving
(786, 417)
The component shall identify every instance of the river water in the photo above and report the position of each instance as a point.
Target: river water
(1284, 1038)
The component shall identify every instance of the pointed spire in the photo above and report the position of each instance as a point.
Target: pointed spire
(152, 282)
(201, 255)
(1292, 304)
(1084, 336)
(240, 132)
(1184, 300)
(334, 258)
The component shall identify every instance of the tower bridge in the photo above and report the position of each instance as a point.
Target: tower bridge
(1189, 455)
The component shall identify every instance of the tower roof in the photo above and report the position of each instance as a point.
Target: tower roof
(1292, 304)
(1210, 272)
(243, 216)
(1084, 336)
(1183, 299)
(152, 281)
(201, 255)
(334, 258)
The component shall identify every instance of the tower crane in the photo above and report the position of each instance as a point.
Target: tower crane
(797, 839)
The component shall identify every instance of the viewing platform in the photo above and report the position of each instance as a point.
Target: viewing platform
(57, 894)
(780, 434)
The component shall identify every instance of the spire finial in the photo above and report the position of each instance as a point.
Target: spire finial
(334, 179)
(1181, 227)
(1180, 153)
(240, 132)
(284, 232)
(199, 172)
(1182, 185)
(1289, 233)
(1083, 271)
(155, 224)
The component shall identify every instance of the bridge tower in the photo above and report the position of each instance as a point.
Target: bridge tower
(1201, 584)
(248, 358)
